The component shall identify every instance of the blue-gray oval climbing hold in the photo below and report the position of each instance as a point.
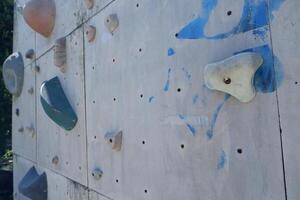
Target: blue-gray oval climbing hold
(33, 185)
(56, 104)
(13, 73)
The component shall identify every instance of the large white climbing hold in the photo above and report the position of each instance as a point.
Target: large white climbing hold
(234, 75)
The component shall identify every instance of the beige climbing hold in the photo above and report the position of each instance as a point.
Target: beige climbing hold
(90, 33)
(60, 54)
(115, 139)
(112, 22)
(234, 75)
(40, 16)
(89, 3)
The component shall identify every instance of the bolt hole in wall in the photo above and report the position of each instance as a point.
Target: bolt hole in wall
(178, 89)
(137, 5)
(240, 151)
(143, 142)
(114, 99)
(114, 60)
(182, 146)
(17, 112)
(146, 191)
(140, 50)
(229, 12)
(117, 181)
(296, 82)
(141, 95)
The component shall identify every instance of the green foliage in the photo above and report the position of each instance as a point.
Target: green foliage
(6, 41)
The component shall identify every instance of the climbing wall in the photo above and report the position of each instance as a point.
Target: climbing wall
(147, 125)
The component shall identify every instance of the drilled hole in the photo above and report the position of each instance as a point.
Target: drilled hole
(182, 146)
(229, 12)
(296, 82)
(141, 95)
(227, 81)
(143, 142)
(240, 151)
(178, 89)
(176, 35)
(146, 191)
(117, 181)
(93, 67)
(140, 50)
(114, 99)
(95, 137)
(94, 101)
(114, 60)
(137, 5)
(107, 21)
(110, 140)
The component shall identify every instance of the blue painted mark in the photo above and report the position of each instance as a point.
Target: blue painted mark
(222, 160)
(151, 99)
(261, 33)
(210, 131)
(255, 15)
(167, 85)
(187, 74)
(274, 5)
(195, 99)
(182, 117)
(270, 75)
(189, 126)
(171, 52)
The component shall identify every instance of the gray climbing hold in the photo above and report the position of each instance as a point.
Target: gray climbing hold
(56, 104)
(234, 75)
(30, 54)
(13, 73)
(115, 139)
(97, 174)
(112, 23)
(60, 54)
(33, 185)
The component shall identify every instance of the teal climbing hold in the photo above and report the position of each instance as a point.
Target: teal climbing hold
(56, 104)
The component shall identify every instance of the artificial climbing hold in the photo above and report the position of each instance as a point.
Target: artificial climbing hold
(115, 139)
(90, 33)
(56, 104)
(40, 16)
(31, 90)
(34, 186)
(60, 54)
(55, 160)
(13, 73)
(89, 3)
(112, 23)
(30, 54)
(97, 173)
(234, 75)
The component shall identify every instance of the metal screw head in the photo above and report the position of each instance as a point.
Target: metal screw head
(227, 81)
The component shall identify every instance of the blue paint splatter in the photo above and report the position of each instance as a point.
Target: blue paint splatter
(187, 74)
(255, 15)
(151, 99)
(195, 99)
(189, 126)
(222, 160)
(270, 75)
(261, 33)
(171, 52)
(167, 85)
(181, 116)
(210, 131)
